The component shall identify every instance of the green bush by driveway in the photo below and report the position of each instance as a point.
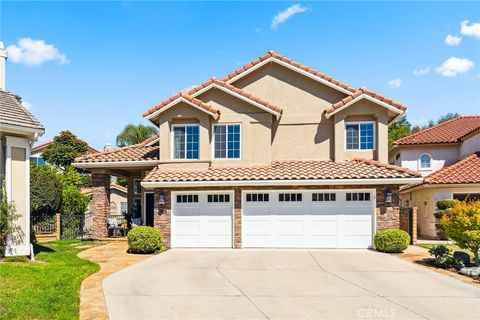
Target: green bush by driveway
(391, 240)
(48, 288)
(144, 240)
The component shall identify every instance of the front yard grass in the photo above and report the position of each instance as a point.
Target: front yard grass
(48, 288)
(452, 247)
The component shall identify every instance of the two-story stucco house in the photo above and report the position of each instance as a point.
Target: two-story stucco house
(448, 157)
(275, 154)
(19, 129)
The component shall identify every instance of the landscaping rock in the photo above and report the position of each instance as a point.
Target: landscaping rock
(462, 256)
(470, 271)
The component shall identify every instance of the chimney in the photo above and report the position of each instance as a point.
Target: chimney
(107, 147)
(3, 59)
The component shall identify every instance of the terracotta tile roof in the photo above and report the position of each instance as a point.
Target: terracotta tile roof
(285, 170)
(151, 139)
(137, 152)
(221, 84)
(272, 54)
(463, 171)
(189, 98)
(446, 132)
(43, 145)
(12, 112)
(369, 92)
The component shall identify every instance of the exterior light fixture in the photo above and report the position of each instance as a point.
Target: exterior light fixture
(388, 196)
(161, 199)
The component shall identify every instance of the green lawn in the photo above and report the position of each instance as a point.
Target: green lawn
(48, 288)
(452, 247)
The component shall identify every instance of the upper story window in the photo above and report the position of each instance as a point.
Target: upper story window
(425, 161)
(39, 161)
(226, 141)
(360, 135)
(185, 141)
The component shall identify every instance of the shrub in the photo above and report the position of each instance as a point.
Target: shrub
(444, 259)
(461, 223)
(391, 240)
(446, 203)
(45, 190)
(73, 201)
(144, 240)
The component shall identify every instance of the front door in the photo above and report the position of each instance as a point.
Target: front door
(149, 209)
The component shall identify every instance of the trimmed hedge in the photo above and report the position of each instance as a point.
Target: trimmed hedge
(446, 203)
(144, 239)
(391, 240)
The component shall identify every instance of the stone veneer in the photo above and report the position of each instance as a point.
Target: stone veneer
(100, 204)
(386, 217)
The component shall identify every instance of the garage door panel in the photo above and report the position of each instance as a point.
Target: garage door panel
(188, 227)
(332, 223)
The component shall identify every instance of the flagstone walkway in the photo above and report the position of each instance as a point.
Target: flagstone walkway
(111, 257)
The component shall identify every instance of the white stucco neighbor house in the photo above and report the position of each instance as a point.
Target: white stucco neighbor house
(448, 157)
(18, 131)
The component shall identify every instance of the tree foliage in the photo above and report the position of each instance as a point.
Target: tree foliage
(64, 149)
(399, 129)
(74, 202)
(461, 223)
(133, 134)
(9, 230)
(45, 190)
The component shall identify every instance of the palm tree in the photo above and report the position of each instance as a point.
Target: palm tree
(133, 134)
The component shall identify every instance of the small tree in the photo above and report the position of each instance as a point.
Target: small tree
(74, 202)
(64, 149)
(133, 134)
(45, 190)
(462, 224)
(399, 129)
(9, 230)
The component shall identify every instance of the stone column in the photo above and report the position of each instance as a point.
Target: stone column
(100, 203)
(237, 219)
(162, 214)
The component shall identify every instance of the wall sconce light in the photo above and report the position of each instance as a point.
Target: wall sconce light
(388, 196)
(161, 202)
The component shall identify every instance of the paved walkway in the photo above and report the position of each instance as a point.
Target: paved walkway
(111, 257)
(285, 284)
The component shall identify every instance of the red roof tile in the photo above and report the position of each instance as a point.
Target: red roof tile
(137, 152)
(221, 84)
(279, 57)
(446, 132)
(463, 171)
(186, 96)
(43, 145)
(285, 170)
(151, 139)
(369, 92)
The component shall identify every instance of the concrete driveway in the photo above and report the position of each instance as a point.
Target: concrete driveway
(285, 284)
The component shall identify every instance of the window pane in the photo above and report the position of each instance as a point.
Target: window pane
(352, 136)
(220, 142)
(333, 197)
(266, 197)
(425, 161)
(366, 136)
(179, 142)
(192, 142)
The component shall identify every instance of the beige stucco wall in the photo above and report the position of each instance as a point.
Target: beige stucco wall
(19, 188)
(116, 197)
(470, 146)
(442, 155)
(303, 132)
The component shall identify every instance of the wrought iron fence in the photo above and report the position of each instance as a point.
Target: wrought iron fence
(76, 226)
(43, 224)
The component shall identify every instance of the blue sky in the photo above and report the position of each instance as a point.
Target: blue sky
(101, 64)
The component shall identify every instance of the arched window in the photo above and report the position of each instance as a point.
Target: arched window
(113, 208)
(425, 161)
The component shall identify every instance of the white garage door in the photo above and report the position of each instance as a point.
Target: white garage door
(308, 219)
(202, 219)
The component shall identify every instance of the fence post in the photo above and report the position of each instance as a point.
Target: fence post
(413, 224)
(58, 225)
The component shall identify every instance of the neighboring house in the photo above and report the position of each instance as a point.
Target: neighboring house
(276, 154)
(447, 156)
(18, 130)
(36, 154)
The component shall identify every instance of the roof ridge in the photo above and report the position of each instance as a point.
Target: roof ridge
(386, 165)
(452, 166)
(91, 155)
(427, 129)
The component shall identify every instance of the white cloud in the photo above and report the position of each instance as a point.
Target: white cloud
(34, 52)
(421, 72)
(27, 105)
(470, 30)
(453, 66)
(286, 14)
(395, 83)
(452, 40)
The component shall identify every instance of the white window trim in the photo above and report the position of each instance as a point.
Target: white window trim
(172, 149)
(213, 141)
(420, 168)
(359, 134)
